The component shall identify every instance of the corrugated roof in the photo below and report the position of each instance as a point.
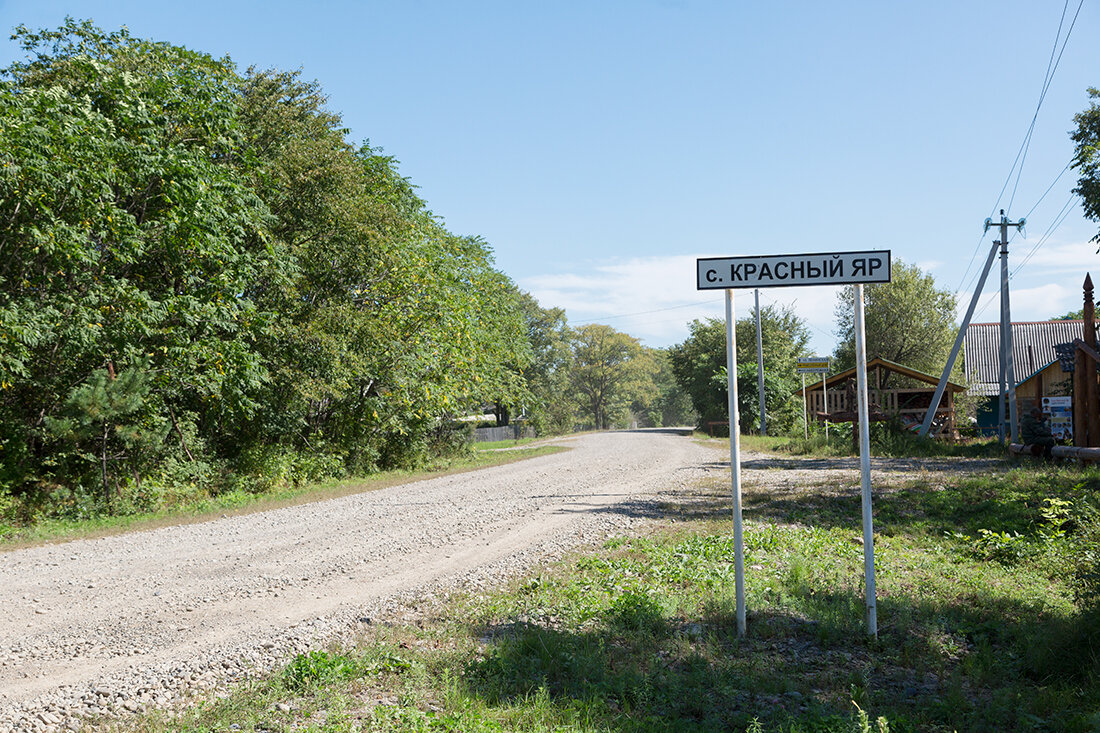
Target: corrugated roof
(1032, 346)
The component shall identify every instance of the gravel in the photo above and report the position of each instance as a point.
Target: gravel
(118, 625)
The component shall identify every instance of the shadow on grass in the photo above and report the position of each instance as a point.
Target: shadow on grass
(979, 664)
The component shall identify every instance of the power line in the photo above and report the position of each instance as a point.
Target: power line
(1019, 231)
(1052, 67)
(1065, 211)
(1060, 217)
(655, 310)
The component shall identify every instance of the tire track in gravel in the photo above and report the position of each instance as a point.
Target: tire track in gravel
(106, 625)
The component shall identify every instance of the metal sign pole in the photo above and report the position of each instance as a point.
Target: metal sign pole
(816, 268)
(865, 467)
(760, 368)
(735, 463)
(805, 419)
(825, 395)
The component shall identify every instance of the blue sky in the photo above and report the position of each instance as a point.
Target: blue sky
(600, 147)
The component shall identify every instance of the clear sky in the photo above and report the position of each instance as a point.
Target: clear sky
(600, 147)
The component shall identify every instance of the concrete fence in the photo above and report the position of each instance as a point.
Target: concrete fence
(507, 432)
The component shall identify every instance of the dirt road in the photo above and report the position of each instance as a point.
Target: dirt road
(122, 623)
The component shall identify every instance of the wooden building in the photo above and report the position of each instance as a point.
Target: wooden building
(892, 389)
(1034, 361)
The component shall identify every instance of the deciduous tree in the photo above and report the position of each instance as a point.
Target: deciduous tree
(907, 320)
(1086, 159)
(608, 368)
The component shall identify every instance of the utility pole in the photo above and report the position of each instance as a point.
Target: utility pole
(1007, 371)
(760, 367)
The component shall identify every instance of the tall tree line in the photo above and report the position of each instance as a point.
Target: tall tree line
(204, 285)
(200, 275)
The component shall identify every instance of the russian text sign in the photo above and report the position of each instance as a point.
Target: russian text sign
(813, 365)
(778, 271)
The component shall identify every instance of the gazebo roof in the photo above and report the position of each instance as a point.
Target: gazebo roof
(879, 362)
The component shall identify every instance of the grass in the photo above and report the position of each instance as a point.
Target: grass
(640, 633)
(886, 441)
(498, 444)
(205, 508)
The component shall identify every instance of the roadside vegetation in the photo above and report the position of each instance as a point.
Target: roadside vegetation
(989, 620)
(888, 439)
(208, 291)
(136, 513)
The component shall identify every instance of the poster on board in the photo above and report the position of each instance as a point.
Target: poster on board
(1060, 411)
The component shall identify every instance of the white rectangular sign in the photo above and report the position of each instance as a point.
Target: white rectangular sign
(778, 271)
(813, 365)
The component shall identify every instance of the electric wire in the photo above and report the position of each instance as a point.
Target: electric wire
(655, 310)
(1065, 211)
(1052, 67)
(1060, 217)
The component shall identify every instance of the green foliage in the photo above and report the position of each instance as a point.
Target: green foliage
(551, 408)
(666, 404)
(699, 364)
(608, 371)
(1086, 159)
(907, 320)
(203, 278)
(641, 633)
(319, 667)
(1086, 556)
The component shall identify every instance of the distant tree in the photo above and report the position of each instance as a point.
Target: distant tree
(907, 320)
(695, 363)
(1086, 159)
(699, 364)
(608, 368)
(666, 403)
(549, 408)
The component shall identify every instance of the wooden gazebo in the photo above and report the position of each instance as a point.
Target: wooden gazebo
(893, 390)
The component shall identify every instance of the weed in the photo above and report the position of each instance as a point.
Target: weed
(319, 666)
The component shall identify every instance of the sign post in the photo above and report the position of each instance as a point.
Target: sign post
(735, 462)
(832, 268)
(865, 469)
(812, 365)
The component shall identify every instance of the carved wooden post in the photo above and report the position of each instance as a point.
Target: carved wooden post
(1080, 423)
(1092, 407)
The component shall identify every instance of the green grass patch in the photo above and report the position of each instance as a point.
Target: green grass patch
(640, 634)
(203, 507)
(498, 444)
(887, 440)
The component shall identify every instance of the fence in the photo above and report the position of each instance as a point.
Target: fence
(507, 432)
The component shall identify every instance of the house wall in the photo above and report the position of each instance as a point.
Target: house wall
(1050, 382)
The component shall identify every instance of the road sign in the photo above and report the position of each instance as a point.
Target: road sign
(769, 271)
(813, 365)
(780, 271)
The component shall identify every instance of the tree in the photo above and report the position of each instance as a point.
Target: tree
(1086, 158)
(608, 369)
(550, 408)
(699, 364)
(907, 320)
(667, 403)
(131, 240)
(200, 268)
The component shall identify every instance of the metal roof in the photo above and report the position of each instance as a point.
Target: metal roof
(1032, 346)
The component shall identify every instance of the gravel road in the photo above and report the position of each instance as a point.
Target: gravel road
(119, 624)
